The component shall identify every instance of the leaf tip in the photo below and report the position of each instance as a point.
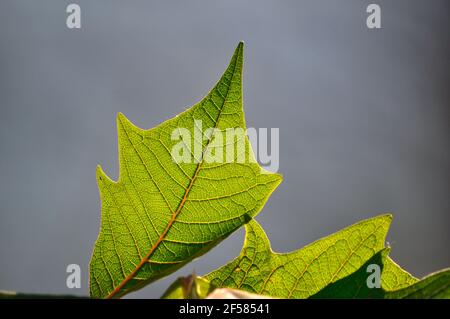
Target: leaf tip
(279, 177)
(100, 174)
(123, 123)
(239, 51)
(121, 117)
(388, 216)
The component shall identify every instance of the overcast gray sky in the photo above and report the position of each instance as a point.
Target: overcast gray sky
(363, 117)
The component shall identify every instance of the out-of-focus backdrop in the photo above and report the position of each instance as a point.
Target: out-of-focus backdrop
(363, 117)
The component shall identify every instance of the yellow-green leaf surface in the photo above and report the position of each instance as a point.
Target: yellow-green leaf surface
(195, 287)
(190, 287)
(355, 286)
(394, 277)
(433, 286)
(303, 273)
(161, 214)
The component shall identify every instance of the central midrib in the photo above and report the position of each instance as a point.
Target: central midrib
(180, 206)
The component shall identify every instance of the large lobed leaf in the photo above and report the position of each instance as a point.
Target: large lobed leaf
(160, 214)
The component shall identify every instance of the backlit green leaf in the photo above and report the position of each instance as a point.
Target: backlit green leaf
(393, 276)
(161, 213)
(436, 285)
(190, 287)
(305, 272)
(433, 286)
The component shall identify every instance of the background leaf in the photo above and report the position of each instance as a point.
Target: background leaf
(303, 273)
(190, 287)
(433, 286)
(394, 277)
(195, 287)
(159, 215)
(355, 287)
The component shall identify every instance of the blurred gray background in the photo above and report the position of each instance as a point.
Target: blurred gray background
(363, 117)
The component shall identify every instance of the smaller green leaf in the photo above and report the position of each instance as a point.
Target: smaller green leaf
(394, 277)
(228, 293)
(195, 287)
(434, 286)
(190, 287)
(355, 286)
(303, 273)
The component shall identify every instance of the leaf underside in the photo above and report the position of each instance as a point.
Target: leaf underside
(433, 286)
(190, 287)
(305, 272)
(160, 214)
(436, 285)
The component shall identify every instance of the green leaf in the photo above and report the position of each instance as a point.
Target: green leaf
(355, 286)
(190, 287)
(393, 276)
(195, 287)
(161, 214)
(433, 286)
(303, 273)
(229, 293)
